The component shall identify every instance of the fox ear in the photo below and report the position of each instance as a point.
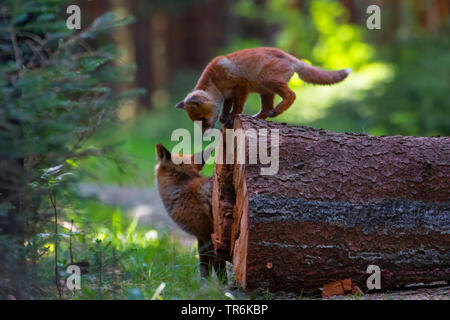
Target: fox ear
(203, 155)
(162, 153)
(194, 100)
(180, 105)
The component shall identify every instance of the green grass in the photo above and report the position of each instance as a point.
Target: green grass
(126, 261)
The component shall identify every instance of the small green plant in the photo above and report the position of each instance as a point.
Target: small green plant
(127, 261)
(269, 295)
(300, 297)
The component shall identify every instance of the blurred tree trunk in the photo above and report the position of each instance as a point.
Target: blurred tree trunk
(232, 24)
(433, 18)
(11, 186)
(351, 7)
(159, 52)
(192, 43)
(94, 8)
(194, 34)
(13, 224)
(172, 43)
(142, 34)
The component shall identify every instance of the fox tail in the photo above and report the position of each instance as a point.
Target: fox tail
(315, 75)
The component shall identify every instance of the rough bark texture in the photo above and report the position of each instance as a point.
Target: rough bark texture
(223, 198)
(340, 202)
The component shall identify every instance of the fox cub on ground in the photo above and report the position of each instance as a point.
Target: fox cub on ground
(227, 81)
(186, 196)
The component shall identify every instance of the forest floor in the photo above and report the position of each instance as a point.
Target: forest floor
(148, 206)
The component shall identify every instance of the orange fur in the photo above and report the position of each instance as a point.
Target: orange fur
(186, 196)
(227, 81)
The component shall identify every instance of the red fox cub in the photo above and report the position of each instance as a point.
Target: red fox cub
(186, 195)
(227, 80)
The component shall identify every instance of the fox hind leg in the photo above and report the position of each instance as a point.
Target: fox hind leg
(288, 96)
(274, 78)
(266, 105)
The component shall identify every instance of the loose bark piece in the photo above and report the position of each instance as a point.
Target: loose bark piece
(333, 289)
(339, 288)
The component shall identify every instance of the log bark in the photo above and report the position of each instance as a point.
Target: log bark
(339, 203)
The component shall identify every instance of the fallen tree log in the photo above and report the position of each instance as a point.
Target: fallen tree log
(339, 203)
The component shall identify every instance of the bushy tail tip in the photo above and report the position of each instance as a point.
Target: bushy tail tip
(315, 75)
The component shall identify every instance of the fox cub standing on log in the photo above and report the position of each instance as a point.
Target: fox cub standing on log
(187, 198)
(227, 80)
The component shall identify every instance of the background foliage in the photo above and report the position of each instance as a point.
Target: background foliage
(56, 91)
